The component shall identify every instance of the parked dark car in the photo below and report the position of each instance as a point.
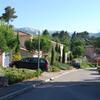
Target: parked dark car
(30, 63)
(75, 64)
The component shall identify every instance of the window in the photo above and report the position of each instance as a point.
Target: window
(42, 61)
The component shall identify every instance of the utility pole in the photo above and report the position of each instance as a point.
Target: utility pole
(38, 52)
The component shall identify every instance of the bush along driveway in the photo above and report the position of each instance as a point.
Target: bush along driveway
(16, 75)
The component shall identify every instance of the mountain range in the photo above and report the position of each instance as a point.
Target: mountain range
(95, 34)
(33, 31)
(27, 30)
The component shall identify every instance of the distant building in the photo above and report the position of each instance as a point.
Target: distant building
(90, 51)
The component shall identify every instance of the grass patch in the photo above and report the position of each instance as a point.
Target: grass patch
(87, 65)
(54, 69)
(60, 66)
(63, 66)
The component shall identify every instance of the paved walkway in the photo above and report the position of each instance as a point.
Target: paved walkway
(16, 89)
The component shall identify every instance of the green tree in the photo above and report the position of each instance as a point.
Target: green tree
(7, 38)
(97, 42)
(28, 45)
(45, 33)
(55, 37)
(3, 46)
(73, 38)
(63, 55)
(61, 37)
(78, 48)
(57, 47)
(84, 36)
(45, 44)
(59, 51)
(8, 15)
(17, 48)
(52, 56)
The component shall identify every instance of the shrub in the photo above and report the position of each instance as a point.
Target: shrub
(16, 75)
(38, 72)
(54, 69)
(16, 57)
(63, 66)
(1, 71)
(87, 65)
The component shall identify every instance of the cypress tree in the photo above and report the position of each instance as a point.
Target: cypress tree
(17, 44)
(52, 56)
(59, 50)
(63, 56)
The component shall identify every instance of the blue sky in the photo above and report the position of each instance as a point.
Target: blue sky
(70, 15)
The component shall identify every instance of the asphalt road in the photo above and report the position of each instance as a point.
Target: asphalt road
(80, 85)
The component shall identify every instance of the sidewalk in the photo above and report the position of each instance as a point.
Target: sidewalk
(19, 88)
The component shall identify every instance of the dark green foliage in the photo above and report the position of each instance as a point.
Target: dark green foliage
(45, 33)
(57, 47)
(73, 38)
(45, 44)
(28, 45)
(63, 55)
(61, 37)
(77, 46)
(59, 51)
(3, 46)
(9, 14)
(83, 35)
(52, 56)
(17, 48)
(70, 56)
(97, 42)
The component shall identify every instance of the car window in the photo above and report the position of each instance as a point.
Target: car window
(42, 61)
(34, 60)
(25, 60)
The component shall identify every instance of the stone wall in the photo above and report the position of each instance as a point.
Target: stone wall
(3, 81)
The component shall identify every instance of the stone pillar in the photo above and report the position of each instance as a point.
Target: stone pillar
(61, 47)
(3, 59)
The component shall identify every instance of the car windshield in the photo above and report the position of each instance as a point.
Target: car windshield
(35, 60)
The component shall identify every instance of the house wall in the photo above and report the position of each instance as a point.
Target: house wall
(25, 53)
(23, 37)
(5, 59)
(97, 61)
(90, 52)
